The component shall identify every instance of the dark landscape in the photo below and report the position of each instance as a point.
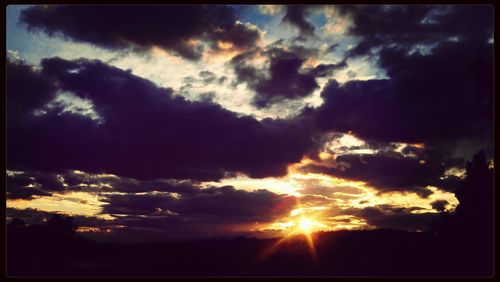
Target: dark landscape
(340, 253)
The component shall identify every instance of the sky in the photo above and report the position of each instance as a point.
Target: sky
(150, 123)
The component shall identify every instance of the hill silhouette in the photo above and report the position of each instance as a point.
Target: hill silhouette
(37, 251)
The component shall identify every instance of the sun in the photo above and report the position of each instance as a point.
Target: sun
(299, 225)
(306, 225)
(302, 226)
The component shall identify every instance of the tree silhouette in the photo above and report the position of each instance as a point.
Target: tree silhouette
(44, 249)
(61, 226)
(475, 194)
(469, 229)
(16, 224)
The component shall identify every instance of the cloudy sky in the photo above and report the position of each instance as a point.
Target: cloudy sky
(161, 122)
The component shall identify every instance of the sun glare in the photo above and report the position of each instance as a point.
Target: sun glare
(303, 226)
(307, 225)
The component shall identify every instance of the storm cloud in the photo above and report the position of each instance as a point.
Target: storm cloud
(296, 16)
(180, 29)
(410, 26)
(216, 203)
(443, 96)
(434, 92)
(147, 132)
(386, 216)
(385, 173)
(32, 90)
(284, 78)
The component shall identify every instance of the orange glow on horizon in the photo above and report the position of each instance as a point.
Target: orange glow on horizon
(301, 225)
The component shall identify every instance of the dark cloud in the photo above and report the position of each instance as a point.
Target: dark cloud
(213, 211)
(72, 178)
(410, 106)
(204, 77)
(33, 90)
(146, 131)
(410, 25)
(437, 96)
(127, 185)
(439, 205)
(35, 216)
(188, 80)
(332, 47)
(386, 216)
(326, 70)
(222, 79)
(385, 173)
(130, 185)
(161, 228)
(207, 97)
(49, 181)
(284, 79)
(239, 34)
(295, 47)
(207, 76)
(131, 204)
(244, 72)
(240, 205)
(15, 187)
(296, 16)
(216, 203)
(406, 107)
(142, 27)
(27, 184)
(378, 25)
